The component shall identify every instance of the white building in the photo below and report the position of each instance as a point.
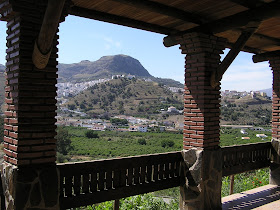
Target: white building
(133, 128)
(172, 109)
(142, 128)
(111, 127)
(243, 131)
(98, 127)
(261, 135)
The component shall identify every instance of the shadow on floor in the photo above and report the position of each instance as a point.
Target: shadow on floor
(253, 199)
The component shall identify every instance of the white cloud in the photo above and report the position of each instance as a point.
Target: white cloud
(110, 43)
(247, 76)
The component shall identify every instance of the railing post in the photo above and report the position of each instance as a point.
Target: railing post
(116, 204)
(231, 184)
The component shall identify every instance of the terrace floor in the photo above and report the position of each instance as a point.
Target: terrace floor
(261, 198)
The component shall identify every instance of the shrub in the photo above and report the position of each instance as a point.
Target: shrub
(167, 143)
(142, 141)
(91, 134)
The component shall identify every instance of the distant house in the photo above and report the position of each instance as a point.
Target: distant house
(86, 125)
(98, 127)
(122, 129)
(111, 127)
(133, 128)
(172, 109)
(129, 76)
(245, 138)
(169, 123)
(257, 129)
(261, 135)
(243, 132)
(142, 128)
(161, 128)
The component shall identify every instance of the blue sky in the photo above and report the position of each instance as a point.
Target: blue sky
(85, 39)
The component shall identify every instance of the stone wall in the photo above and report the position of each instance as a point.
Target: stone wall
(30, 187)
(201, 179)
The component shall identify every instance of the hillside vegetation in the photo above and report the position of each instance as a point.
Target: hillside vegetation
(246, 111)
(126, 96)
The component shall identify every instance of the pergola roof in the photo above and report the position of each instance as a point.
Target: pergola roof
(224, 18)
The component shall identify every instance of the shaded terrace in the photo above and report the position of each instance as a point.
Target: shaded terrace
(202, 29)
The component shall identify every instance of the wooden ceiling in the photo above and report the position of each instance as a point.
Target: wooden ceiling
(224, 18)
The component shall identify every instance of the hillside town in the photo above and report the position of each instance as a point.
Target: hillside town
(236, 94)
(68, 117)
(70, 89)
(128, 124)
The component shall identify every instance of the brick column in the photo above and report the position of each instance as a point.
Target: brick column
(201, 186)
(275, 166)
(29, 175)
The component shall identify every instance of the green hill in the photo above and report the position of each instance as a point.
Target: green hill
(125, 96)
(246, 111)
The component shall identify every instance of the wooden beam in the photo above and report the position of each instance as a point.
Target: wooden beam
(43, 44)
(248, 3)
(164, 10)
(265, 56)
(217, 75)
(96, 15)
(262, 38)
(246, 48)
(264, 12)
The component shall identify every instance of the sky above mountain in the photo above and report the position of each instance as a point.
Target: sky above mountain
(85, 39)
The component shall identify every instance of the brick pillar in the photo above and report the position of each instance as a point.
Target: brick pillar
(29, 174)
(201, 185)
(275, 166)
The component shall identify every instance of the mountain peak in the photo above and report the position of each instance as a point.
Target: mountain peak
(105, 67)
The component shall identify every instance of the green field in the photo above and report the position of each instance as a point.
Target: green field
(121, 144)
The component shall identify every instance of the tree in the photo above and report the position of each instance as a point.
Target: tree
(167, 143)
(63, 140)
(142, 141)
(91, 134)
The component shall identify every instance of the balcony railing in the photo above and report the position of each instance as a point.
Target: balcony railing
(242, 158)
(86, 183)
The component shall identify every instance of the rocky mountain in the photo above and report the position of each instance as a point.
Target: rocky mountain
(105, 67)
(126, 96)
